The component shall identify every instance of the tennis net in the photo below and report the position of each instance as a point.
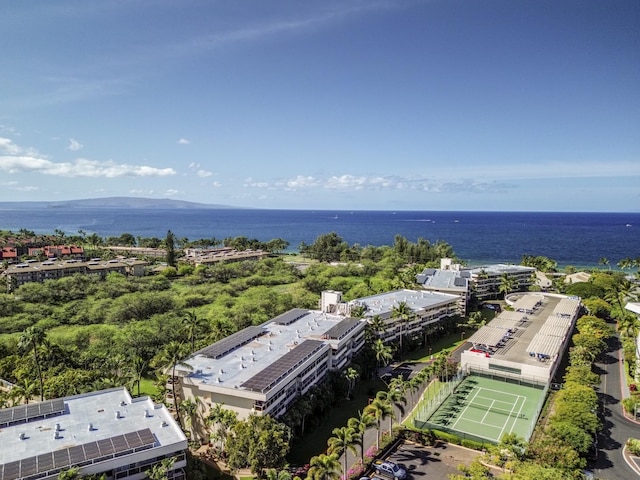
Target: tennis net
(511, 413)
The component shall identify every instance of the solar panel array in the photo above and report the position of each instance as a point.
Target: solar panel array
(341, 329)
(78, 455)
(23, 413)
(291, 316)
(230, 343)
(270, 376)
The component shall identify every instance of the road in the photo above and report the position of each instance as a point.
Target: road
(617, 428)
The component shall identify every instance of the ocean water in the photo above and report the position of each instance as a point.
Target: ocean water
(578, 239)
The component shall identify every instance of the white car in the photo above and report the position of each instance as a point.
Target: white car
(390, 469)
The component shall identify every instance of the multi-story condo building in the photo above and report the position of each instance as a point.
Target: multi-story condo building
(424, 310)
(105, 432)
(264, 369)
(483, 281)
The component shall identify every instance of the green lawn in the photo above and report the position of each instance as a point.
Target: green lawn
(444, 344)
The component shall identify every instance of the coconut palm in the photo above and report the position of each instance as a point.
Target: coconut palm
(352, 375)
(379, 408)
(382, 352)
(324, 467)
(193, 326)
(170, 358)
(360, 425)
(604, 261)
(507, 284)
(344, 438)
(402, 312)
(31, 339)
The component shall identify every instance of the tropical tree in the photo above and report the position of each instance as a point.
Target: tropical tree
(604, 261)
(160, 470)
(379, 409)
(138, 367)
(170, 358)
(402, 312)
(324, 467)
(170, 246)
(360, 424)
(193, 326)
(507, 284)
(352, 375)
(70, 473)
(382, 352)
(344, 438)
(275, 474)
(31, 339)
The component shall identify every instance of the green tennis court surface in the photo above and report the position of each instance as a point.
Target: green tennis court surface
(487, 408)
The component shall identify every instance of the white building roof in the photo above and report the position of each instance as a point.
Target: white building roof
(567, 307)
(384, 303)
(545, 345)
(65, 430)
(234, 361)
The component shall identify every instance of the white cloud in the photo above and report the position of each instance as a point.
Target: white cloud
(216, 184)
(171, 192)
(183, 141)
(204, 173)
(74, 145)
(14, 159)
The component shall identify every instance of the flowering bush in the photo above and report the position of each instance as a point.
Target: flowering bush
(355, 471)
(633, 444)
(371, 452)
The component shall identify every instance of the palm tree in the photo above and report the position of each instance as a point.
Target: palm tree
(396, 393)
(343, 440)
(604, 261)
(403, 312)
(192, 327)
(273, 474)
(625, 263)
(138, 367)
(507, 284)
(351, 374)
(26, 387)
(379, 409)
(324, 467)
(383, 352)
(360, 425)
(169, 359)
(31, 339)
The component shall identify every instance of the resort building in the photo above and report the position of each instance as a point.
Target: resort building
(526, 343)
(483, 281)
(105, 432)
(9, 254)
(199, 256)
(32, 271)
(264, 369)
(425, 311)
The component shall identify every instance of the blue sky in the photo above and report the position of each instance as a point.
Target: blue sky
(335, 104)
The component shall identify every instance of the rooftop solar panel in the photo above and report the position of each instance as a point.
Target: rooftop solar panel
(28, 467)
(232, 342)
(76, 454)
(290, 316)
(31, 411)
(61, 458)
(147, 437)
(11, 471)
(133, 440)
(270, 376)
(5, 415)
(342, 328)
(106, 447)
(91, 450)
(45, 462)
(37, 465)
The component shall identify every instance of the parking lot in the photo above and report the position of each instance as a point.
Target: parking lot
(435, 462)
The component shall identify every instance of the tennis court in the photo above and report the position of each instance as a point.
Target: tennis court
(487, 408)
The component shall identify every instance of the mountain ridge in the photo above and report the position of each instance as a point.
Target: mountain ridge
(115, 202)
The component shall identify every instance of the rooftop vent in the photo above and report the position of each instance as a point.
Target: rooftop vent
(23, 436)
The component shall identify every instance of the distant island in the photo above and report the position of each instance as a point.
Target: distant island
(114, 202)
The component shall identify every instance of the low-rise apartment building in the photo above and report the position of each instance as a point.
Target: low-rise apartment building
(105, 432)
(32, 271)
(426, 310)
(264, 369)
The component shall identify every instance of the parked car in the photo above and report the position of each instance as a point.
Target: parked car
(390, 469)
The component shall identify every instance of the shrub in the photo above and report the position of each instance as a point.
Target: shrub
(633, 444)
